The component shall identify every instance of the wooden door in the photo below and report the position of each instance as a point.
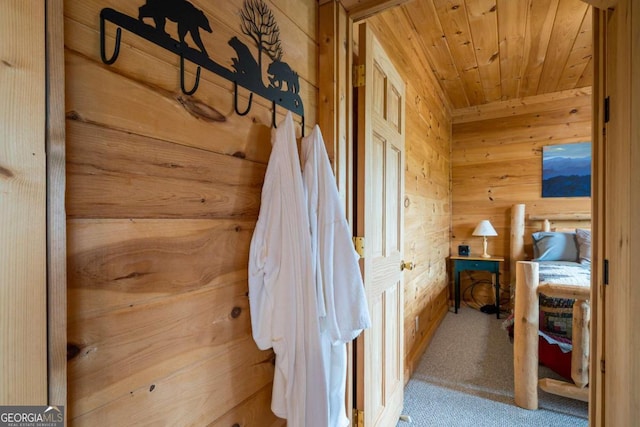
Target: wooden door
(621, 217)
(616, 380)
(380, 194)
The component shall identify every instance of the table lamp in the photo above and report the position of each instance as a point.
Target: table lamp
(484, 229)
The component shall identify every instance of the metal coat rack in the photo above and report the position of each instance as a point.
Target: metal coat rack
(246, 73)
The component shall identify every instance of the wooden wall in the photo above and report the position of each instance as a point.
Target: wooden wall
(162, 197)
(497, 162)
(427, 185)
(23, 215)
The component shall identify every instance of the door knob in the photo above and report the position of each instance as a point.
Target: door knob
(406, 265)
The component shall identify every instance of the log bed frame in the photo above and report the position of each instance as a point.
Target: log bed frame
(526, 319)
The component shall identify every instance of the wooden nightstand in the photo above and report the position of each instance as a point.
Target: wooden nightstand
(476, 263)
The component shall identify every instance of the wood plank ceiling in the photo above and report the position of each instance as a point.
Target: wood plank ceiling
(483, 51)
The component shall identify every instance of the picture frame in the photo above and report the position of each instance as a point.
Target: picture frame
(566, 170)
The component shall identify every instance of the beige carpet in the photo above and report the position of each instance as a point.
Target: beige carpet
(465, 378)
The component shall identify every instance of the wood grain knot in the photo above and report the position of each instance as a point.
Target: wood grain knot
(201, 110)
(170, 165)
(235, 313)
(72, 351)
(132, 275)
(73, 115)
(6, 172)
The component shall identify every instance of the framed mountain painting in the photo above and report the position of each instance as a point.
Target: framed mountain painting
(566, 170)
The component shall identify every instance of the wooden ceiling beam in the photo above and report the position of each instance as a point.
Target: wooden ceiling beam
(364, 9)
(602, 4)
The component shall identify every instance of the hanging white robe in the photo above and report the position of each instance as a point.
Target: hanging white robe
(342, 304)
(282, 297)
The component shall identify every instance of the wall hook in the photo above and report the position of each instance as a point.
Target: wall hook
(283, 88)
(273, 118)
(195, 86)
(116, 50)
(273, 115)
(235, 100)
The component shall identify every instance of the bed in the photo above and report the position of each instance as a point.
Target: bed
(551, 305)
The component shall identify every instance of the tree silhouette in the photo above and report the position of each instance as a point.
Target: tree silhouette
(259, 23)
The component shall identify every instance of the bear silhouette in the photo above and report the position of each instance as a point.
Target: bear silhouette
(282, 73)
(244, 64)
(189, 18)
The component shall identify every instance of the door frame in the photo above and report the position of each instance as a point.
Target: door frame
(56, 213)
(335, 26)
(44, 273)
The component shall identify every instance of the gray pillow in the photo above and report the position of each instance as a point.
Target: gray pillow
(554, 246)
(583, 238)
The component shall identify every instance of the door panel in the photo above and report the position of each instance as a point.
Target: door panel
(380, 183)
(376, 217)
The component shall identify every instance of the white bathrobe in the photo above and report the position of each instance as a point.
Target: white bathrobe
(342, 304)
(282, 296)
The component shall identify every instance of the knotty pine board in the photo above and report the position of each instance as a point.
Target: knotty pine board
(23, 214)
(114, 174)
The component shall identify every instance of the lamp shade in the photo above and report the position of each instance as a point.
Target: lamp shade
(484, 228)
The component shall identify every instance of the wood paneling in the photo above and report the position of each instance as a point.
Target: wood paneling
(114, 174)
(483, 51)
(564, 36)
(542, 15)
(56, 216)
(126, 262)
(497, 162)
(23, 211)
(427, 212)
(163, 193)
(198, 392)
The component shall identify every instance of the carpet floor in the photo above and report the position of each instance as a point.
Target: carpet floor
(465, 378)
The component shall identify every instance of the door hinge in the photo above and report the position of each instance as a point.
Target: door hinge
(607, 111)
(358, 243)
(358, 418)
(359, 75)
(605, 272)
(602, 365)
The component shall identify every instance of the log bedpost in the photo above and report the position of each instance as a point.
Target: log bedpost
(525, 346)
(517, 246)
(580, 341)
